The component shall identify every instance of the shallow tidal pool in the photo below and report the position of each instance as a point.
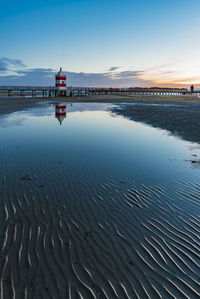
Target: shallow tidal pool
(98, 206)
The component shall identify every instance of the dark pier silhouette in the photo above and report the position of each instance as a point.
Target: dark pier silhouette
(51, 91)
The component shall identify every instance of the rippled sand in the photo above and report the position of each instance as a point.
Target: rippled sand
(75, 226)
(117, 240)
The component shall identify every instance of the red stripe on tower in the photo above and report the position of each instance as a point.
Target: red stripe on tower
(60, 80)
(60, 85)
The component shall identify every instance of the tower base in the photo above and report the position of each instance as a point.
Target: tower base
(61, 93)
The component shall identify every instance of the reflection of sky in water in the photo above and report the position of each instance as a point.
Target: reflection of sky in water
(48, 109)
(89, 135)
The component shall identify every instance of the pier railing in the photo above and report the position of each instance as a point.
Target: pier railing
(51, 91)
(18, 88)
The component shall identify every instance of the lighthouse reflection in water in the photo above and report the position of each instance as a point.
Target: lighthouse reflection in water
(60, 112)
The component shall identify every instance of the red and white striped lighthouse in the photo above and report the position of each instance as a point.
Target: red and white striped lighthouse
(61, 81)
(60, 112)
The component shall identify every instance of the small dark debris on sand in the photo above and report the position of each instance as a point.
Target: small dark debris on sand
(26, 178)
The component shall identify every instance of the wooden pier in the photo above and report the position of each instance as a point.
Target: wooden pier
(51, 91)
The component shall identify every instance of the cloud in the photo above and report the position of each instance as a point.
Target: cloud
(128, 74)
(107, 79)
(114, 68)
(14, 72)
(170, 65)
(8, 64)
(168, 73)
(186, 80)
(29, 77)
(45, 77)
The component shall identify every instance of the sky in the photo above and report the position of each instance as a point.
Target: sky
(113, 43)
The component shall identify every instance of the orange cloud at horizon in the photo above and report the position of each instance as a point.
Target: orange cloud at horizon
(170, 79)
(179, 83)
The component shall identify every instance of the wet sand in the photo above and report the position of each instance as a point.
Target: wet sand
(9, 105)
(182, 119)
(112, 243)
(86, 232)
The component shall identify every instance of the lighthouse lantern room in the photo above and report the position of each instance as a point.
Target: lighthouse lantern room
(60, 83)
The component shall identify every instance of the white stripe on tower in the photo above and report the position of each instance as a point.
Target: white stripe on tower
(60, 80)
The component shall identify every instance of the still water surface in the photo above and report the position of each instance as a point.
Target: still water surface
(97, 207)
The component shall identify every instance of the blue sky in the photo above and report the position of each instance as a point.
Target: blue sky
(100, 43)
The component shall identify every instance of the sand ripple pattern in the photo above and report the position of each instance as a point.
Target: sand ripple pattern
(81, 239)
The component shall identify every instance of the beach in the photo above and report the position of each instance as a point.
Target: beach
(11, 104)
(105, 205)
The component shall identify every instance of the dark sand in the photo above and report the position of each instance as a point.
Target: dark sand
(182, 120)
(86, 234)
